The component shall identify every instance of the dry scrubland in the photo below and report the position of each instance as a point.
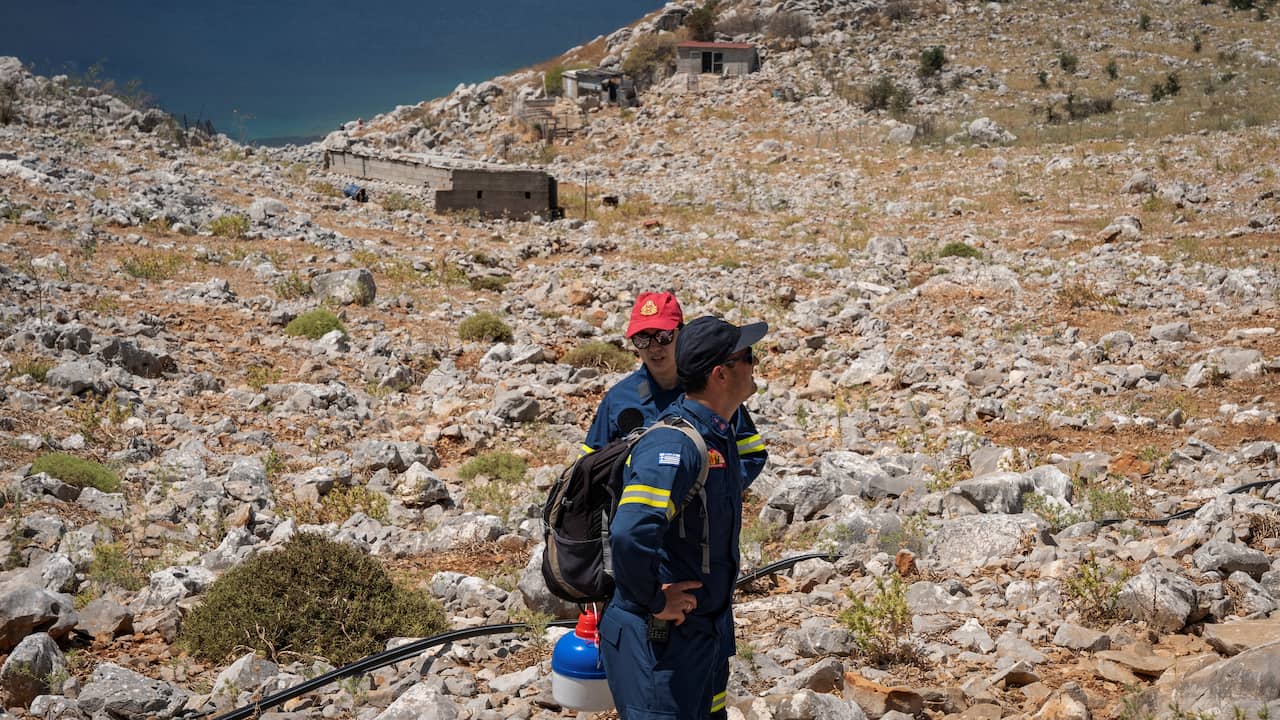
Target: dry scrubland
(981, 347)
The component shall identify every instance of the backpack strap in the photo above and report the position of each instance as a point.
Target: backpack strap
(699, 487)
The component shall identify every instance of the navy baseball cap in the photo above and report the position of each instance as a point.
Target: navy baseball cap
(709, 341)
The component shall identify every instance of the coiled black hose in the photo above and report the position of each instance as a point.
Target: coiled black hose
(1184, 514)
(408, 650)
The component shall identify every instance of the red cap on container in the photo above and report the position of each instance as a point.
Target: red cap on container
(586, 629)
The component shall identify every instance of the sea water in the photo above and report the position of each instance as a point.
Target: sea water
(272, 71)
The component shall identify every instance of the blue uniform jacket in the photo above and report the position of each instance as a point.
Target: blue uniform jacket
(652, 545)
(640, 391)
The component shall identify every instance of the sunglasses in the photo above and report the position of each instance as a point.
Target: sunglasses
(662, 337)
(746, 357)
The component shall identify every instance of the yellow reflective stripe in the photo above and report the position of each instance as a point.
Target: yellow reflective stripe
(750, 444)
(650, 496)
(717, 702)
(585, 450)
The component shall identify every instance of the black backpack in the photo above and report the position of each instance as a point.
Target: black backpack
(576, 563)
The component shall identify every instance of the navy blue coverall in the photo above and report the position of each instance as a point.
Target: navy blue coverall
(652, 545)
(641, 391)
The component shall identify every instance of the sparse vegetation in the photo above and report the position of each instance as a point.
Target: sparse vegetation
(110, 567)
(314, 324)
(650, 58)
(701, 21)
(881, 626)
(932, 61)
(1093, 589)
(37, 367)
(152, 264)
(485, 327)
(1068, 62)
(959, 249)
(395, 201)
(77, 471)
(231, 226)
(339, 504)
(600, 354)
(497, 464)
(311, 597)
(292, 287)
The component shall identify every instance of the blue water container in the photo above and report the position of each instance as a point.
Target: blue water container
(577, 673)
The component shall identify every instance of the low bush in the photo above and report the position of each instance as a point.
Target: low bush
(881, 626)
(395, 200)
(313, 597)
(600, 354)
(37, 368)
(959, 249)
(111, 567)
(486, 327)
(1113, 69)
(1093, 590)
(932, 61)
(497, 465)
(879, 93)
(152, 265)
(314, 324)
(292, 287)
(77, 471)
(231, 226)
(701, 21)
(339, 504)
(650, 58)
(1068, 62)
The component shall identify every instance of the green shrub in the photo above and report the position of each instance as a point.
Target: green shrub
(650, 55)
(484, 326)
(339, 504)
(231, 225)
(37, 368)
(701, 21)
(1144, 22)
(396, 200)
(881, 627)
(1068, 62)
(77, 471)
(493, 283)
(314, 324)
(497, 465)
(110, 566)
(1093, 590)
(152, 265)
(1113, 69)
(292, 287)
(313, 597)
(932, 61)
(879, 93)
(599, 354)
(959, 249)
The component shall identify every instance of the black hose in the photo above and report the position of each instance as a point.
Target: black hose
(408, 650)
(1184, 514)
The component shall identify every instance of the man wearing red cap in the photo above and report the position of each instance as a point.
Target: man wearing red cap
(643, 396)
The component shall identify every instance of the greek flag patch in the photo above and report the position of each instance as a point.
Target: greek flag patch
(668, 458)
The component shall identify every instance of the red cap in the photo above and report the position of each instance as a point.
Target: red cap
(655, 311)
(586, 628)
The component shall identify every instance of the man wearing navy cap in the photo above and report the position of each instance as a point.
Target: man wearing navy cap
(667, 633)
(643, 396)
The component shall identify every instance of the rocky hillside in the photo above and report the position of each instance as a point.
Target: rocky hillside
(1020, 265)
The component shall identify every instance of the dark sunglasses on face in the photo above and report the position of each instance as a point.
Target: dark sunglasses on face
(662, 337)
(746, 357)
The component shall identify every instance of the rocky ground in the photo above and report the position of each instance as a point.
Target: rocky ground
(1001, 346)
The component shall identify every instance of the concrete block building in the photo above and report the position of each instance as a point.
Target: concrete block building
(716, 58)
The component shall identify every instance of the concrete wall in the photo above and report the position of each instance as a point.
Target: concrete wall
(494, 191)
(516, 194)
(400, 171)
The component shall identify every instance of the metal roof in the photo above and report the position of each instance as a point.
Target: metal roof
(715, 45)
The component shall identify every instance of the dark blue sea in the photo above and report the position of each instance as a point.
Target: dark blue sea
(268, 70)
